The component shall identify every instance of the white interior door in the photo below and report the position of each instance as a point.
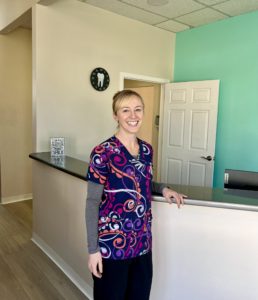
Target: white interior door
(189, 132)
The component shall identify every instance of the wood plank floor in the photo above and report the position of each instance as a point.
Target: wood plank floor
(26, 273)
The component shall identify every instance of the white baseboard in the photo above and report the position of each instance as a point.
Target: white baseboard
(18, 198)
(86, 289)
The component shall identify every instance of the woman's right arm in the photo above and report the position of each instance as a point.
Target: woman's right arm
(93, 200)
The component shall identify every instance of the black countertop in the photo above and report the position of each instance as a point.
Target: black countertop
(67, 164)
(202, 196)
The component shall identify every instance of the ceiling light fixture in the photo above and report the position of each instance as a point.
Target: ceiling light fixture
(157, 2)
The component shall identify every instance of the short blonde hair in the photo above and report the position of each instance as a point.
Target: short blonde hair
(120, 96)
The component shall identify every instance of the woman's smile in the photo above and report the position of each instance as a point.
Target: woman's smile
(133, 123)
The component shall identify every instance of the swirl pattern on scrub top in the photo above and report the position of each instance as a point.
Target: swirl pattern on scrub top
(125, 216)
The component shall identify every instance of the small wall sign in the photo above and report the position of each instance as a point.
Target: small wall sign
(57, 146)
(99, 79)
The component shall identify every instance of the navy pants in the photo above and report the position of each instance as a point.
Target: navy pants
(128, 279)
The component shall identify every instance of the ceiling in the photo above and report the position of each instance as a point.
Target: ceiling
(177, 15)
(174, 15)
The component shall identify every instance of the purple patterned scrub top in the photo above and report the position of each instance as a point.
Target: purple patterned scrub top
(124, 224)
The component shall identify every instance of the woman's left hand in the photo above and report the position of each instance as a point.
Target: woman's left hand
(169, 195)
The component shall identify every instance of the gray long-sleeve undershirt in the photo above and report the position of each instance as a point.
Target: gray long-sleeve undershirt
(93, 200)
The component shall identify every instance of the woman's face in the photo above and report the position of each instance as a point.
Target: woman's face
(130, 115)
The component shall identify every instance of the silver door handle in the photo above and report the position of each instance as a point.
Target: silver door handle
(209, 158)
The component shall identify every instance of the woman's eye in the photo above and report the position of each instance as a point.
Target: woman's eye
(138, 110)
(125, 110)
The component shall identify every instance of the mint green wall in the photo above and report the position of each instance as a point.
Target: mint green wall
(227, 50)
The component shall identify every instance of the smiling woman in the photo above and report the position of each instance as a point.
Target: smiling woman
(118, 214)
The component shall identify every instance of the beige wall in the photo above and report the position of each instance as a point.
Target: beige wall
(15, 113)
(71, 38)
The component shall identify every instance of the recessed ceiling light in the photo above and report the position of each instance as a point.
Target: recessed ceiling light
(157, 2)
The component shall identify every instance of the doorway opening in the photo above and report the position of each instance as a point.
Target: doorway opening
(151, 90)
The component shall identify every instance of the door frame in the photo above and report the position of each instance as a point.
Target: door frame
(156, 80)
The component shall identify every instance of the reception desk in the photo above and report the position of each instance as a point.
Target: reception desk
(205, 250)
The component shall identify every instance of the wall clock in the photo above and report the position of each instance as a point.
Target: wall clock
(99, 79)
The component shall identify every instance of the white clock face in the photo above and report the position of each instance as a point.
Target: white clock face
(99, 79)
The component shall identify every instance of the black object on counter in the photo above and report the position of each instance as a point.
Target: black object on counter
(242, 180)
